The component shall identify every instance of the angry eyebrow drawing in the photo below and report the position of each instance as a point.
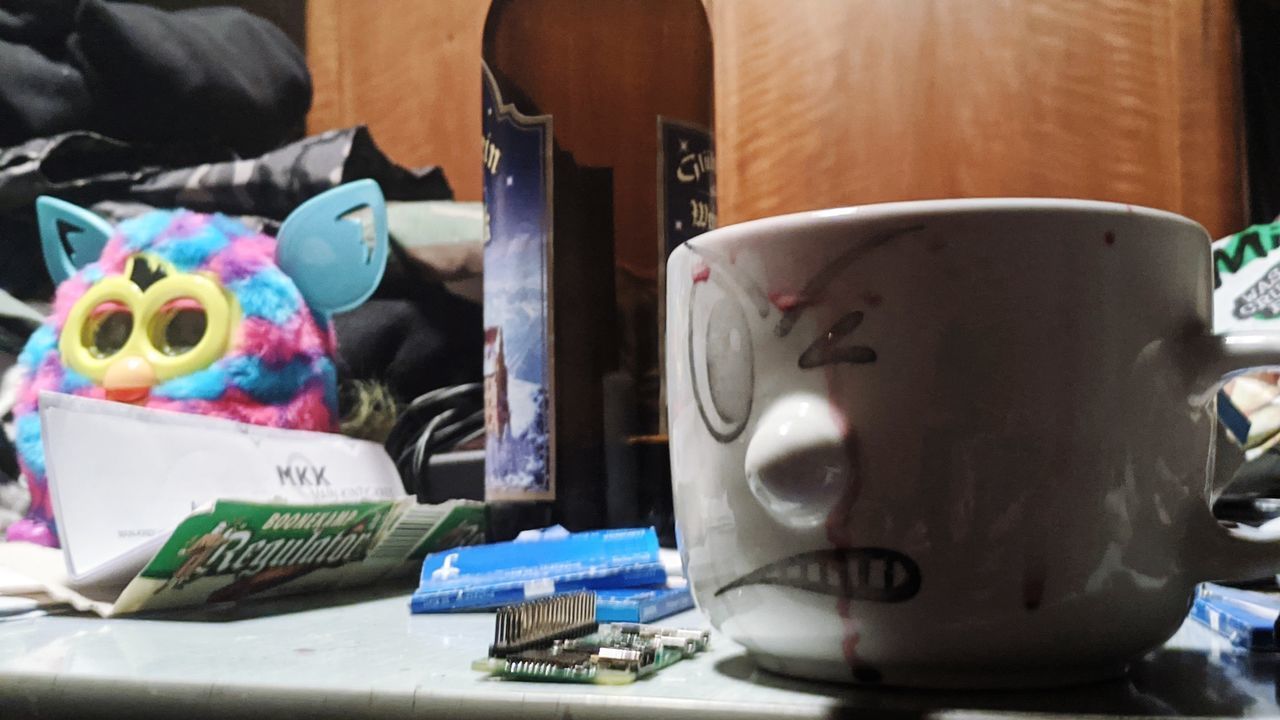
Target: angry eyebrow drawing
(817, 285)
(791, 306)
(827, 349)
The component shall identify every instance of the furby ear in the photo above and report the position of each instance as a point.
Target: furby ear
(70, 236)
(334, 246)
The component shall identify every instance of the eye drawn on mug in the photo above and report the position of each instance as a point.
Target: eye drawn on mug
(721, 361)
(871, 574)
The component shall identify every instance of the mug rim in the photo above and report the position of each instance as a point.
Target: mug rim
(852, 214)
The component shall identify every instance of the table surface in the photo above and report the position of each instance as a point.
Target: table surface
(369, 657)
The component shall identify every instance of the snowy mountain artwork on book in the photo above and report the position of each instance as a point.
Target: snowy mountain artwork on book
(518, 304)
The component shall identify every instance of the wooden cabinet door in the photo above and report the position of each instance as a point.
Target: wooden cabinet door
(836, 102)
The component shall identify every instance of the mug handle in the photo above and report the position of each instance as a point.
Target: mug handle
(1216, 551)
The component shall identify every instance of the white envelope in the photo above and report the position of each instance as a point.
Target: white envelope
(121, 475)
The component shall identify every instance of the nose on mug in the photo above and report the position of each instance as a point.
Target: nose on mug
(797, 465)
(993, 474)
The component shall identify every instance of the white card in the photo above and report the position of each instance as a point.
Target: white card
(121, 475)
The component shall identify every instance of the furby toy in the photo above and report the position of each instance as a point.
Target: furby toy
(196, 313)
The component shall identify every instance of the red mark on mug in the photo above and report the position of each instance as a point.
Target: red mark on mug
(701, 273)
(786, 302)
(840, 535)
(862, 672)
(849, 646)
(841, 514)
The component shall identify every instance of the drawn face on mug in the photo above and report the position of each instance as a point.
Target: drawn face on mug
(799, 451)
(897, 428)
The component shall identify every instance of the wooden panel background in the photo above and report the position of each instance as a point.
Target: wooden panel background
(410, 70)
(835, 102)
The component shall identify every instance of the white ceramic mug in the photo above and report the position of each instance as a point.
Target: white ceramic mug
(951, 443)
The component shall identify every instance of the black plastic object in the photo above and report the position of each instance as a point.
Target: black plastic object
(1259, 21)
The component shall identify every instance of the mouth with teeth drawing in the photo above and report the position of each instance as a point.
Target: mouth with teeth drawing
(870, 573)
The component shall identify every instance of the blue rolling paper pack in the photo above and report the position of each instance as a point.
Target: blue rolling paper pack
(487, 576)
(1246, 619)
(641, 605)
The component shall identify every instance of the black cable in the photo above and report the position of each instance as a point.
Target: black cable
(437, 421)
(441, 434)
(424, 407)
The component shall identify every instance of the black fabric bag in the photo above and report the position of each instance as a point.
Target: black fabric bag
(87, 168)
(212, 76)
